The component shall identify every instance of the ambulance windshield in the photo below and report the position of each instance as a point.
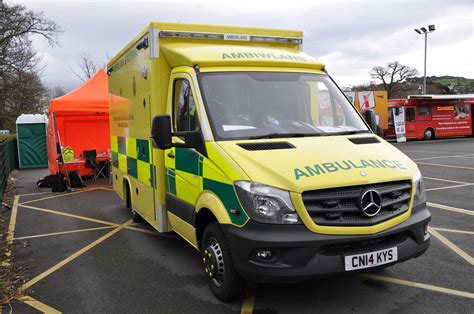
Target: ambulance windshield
(246, 105)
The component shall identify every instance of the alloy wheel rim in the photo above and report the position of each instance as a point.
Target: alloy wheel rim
(213, 261)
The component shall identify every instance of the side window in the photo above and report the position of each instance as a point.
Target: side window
(184, 108)
(424, 110)
(410, 114)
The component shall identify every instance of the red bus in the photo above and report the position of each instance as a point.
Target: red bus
(430, 116)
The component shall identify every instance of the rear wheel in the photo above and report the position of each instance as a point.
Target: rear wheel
(223, 279)
(429, 134)
(135, 216)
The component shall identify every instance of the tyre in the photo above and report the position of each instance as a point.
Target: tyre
(135, 216)
(223, 279)
(429, 134)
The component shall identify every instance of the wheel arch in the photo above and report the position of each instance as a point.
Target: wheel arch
(209, 208)
(126, 185)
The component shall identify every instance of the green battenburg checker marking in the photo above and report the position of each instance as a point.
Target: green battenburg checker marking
(122, 147)
(143, 150)
(187, 160)
(132, 167)
(227, 195)
(115, 159)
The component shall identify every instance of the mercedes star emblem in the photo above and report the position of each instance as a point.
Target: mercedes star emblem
(370, 203)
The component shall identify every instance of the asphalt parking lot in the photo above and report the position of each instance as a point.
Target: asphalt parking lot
(85, 255)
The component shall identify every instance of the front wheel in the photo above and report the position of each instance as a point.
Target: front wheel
(429, 134)
(223, 279)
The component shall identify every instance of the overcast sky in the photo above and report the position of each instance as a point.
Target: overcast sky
(349, 36)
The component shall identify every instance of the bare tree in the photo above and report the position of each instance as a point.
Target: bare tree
(21, 89)
(87, 67)
(392, 76)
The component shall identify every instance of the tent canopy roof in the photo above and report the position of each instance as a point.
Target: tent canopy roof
(91, 97)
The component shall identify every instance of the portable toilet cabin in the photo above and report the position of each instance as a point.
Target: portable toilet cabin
(31, 138)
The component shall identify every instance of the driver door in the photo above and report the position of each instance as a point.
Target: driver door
(183, 165)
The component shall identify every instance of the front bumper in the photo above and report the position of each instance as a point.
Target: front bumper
(299, 254)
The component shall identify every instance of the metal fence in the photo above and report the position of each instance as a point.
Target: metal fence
(8, 161)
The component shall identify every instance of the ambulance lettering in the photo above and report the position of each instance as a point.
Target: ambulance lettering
(328, 167)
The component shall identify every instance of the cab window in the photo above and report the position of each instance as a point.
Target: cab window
(410, 114)
(184, 108)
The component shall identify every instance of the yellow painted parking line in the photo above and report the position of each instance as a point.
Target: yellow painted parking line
(73, 256)
(60, 195)
(70, 215)
(450, 208)
(445, 180)
(12, 223)
(438, 157)
(448, 187)
(413, 284)
(38, 305)
(105, 188)
(447, 166)
(62, 232)
(452, 246)
(11, 231)
(430, 142)
(37, 193)
(453, 230)
(128, 227)
(170, 235)
(249, 300)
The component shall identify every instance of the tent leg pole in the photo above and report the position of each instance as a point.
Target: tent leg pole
(55, 141)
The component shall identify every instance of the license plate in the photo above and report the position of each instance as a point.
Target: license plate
(372, 259)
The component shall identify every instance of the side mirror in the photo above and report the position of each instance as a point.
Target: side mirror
(161, 134)
(161, 131)
(371, 120)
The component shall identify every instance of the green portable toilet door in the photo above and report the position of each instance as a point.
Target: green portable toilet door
(32, 151)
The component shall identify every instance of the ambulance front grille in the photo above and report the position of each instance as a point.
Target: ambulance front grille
(341, 206)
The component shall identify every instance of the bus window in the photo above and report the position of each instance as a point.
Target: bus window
(461, 112)
(410, 114)
(424, 110)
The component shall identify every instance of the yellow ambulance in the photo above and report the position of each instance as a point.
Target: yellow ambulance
(243, 145)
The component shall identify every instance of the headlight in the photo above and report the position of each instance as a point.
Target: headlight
(266, 204)
(420, 195)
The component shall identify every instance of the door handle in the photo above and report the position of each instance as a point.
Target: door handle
(170, 155)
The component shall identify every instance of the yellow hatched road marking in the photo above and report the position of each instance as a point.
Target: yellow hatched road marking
(73, 256)
(12, 224)
(62, 232)
(453, 230)
(438, 157)
(449, 187)
(71, 215)
(11, 232)
(445, 180)
(419, 285)
(61, 195)
(450, 208)
(249, 301)
(105, 188)
(452, 246)
(95, 220)
(37, 193)
(38, 305)
(447, 166)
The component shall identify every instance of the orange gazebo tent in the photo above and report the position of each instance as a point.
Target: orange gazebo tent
(80, 119)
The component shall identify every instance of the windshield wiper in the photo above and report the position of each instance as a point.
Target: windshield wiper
(282, 135)
(346, 132)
